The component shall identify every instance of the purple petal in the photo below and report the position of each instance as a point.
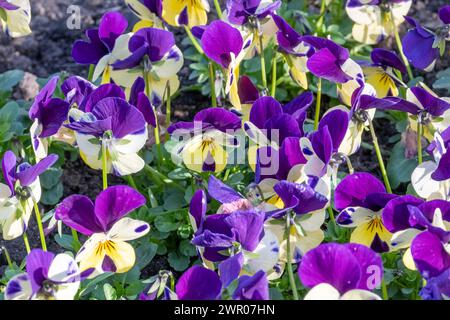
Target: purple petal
(43, 96)
(247, 227)
(30, 174)
(429, 254)
(388, 58)
(240, 10)
(134, 60)
(77, 212)
(437, 287)
(158, 41)
(230, 269)
(323, 64)
(145, 107)
(434, 105)
(444, 14)
(115, 202)
(38, 263)
(210, 239)
(322, 144)
(137, 88)
(221, 119)
(198, 283)
(354, 188)
(282, 126)
(300, 103)
(287, 37)
(264, 109)
(112, 25)
(247, 91)
(254, 287)
(8, 6)
(198, 208)
(371, 264)
(100, 93)
(76, 89)
(89, 52)
(9, 164)
(396, 214)
(52, 115)
(219, 40)
(337, 122)
(389, 103)
(221, 192)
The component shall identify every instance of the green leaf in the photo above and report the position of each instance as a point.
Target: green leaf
(64, 241)
(166, 223)
(187, 248)
(110, 292)
(50, 178)
(10, 79)
(178, 262)
(174, 200)
(399, 168)
(53, 195)
(145, 254)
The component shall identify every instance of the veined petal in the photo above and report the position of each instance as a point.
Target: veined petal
(170, 64)
(127, 229)
(18, 288)
(354, 216)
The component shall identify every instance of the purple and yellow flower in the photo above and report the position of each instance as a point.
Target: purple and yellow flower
(341, 272)
(225, 45)
(373, 18)
(48, 115)
(195, 12)
(117, 126)
(15, 17)
(423, 47)
(21, 191)
(361, 198)
(105, 46)
(152, 54)
(148, 11)
(108, 229)
(48, 277)
(203, 141)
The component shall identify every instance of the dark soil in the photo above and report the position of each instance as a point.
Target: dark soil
(48, 51)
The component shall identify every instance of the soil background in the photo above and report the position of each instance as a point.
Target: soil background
(48, 51)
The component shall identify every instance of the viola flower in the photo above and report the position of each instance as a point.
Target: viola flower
(119, 127)
(48, 114)
(361, 198)
(76, 90)
(196, 12)
(203, 140)
(22, 189)
(294, 51)
(341, 272)
(373, 19)
(248, 93)
(148, 11)
(381, 72)
(225, 45)
(153, 54)
(423, 47)
(106, 45)
(108, 229)
(431, 179)
(48, 277)
(408, 216)
(159, 288)
(15, 17)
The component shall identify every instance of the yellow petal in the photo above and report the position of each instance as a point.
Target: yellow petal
(365, 233)
(381, 81)
(142, 24)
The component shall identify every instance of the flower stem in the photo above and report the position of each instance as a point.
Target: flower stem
(40, 227)
(331, 214)
(193, 40)
(7, 256)
(156, 130)
(419, 141)
(379, 156)
(168, 109)
(104, 166)
(289, 256)
(76, 242)
(27, 244)
(218, 9)
(212, 85)
(91, 72)
(384, 290)
(400, 47)
(274, 75)
(263, 61)
(318, 102)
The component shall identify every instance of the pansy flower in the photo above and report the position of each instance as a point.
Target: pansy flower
(22, 189)
(294, 50)
(148, 11)
(15, 17)
(421, 46)
(341, 272)
(106, 45)
(431, 179)
(225, 45)
(373, 18)
(381, 72)
(48, 277)
(108, 229)
(159, 287)
(116, 125)
(48, 114)
(204, 139)
(248, 93)
(188, 12)
(361, 198)
(76, 90)
(153, 54)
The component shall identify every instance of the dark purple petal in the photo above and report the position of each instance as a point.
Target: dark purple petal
(389, 103)
(230, 269)
(267, 9)
(331, 263)
(221, 192)
(247, 91)
(378, 200)
(339, 52)
(115, 202)
(247, 228)
(353, 190)
(77, 212)
(240, 10)
(287, 37)
(429, 208)
(263, 110)
(282, 126)
(210, 239)
(290, 155)
(89, 52)
(337, 122)
(52, 115)
(444, 14)
(371, 264)
(254, 287)
(396, 214)
(183, 18)
(112, 25)
(198, 208)
(221, 119)
(158, 42)
(132, 61)
(9, 164)
(38, 263)
(322, 144)
(437, 287)
(198, 283)
(219, 40)
(76, 89)
(8, 6)
(323, 64)
(30, 174)
(383, 57)
(43, 96)
(300, 103)
(197, 31)
(145, 107)
(137, 88)
(429, 254)
(100, 93)
(432, 104)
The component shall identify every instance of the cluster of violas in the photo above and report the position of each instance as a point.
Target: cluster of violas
(253, 238)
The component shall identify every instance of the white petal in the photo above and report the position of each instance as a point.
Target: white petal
(131, 143)
(402, 239)
(358, 215)
(313, 222)
(364, 14)
(358, 294)
(323, 291)
(18, 21)
(101, 66)
(63, 268)
(345, 90)
(126, 164)
(128, 229)
(421, 179)
(18, 288)
(266, 254)
(170, 64)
